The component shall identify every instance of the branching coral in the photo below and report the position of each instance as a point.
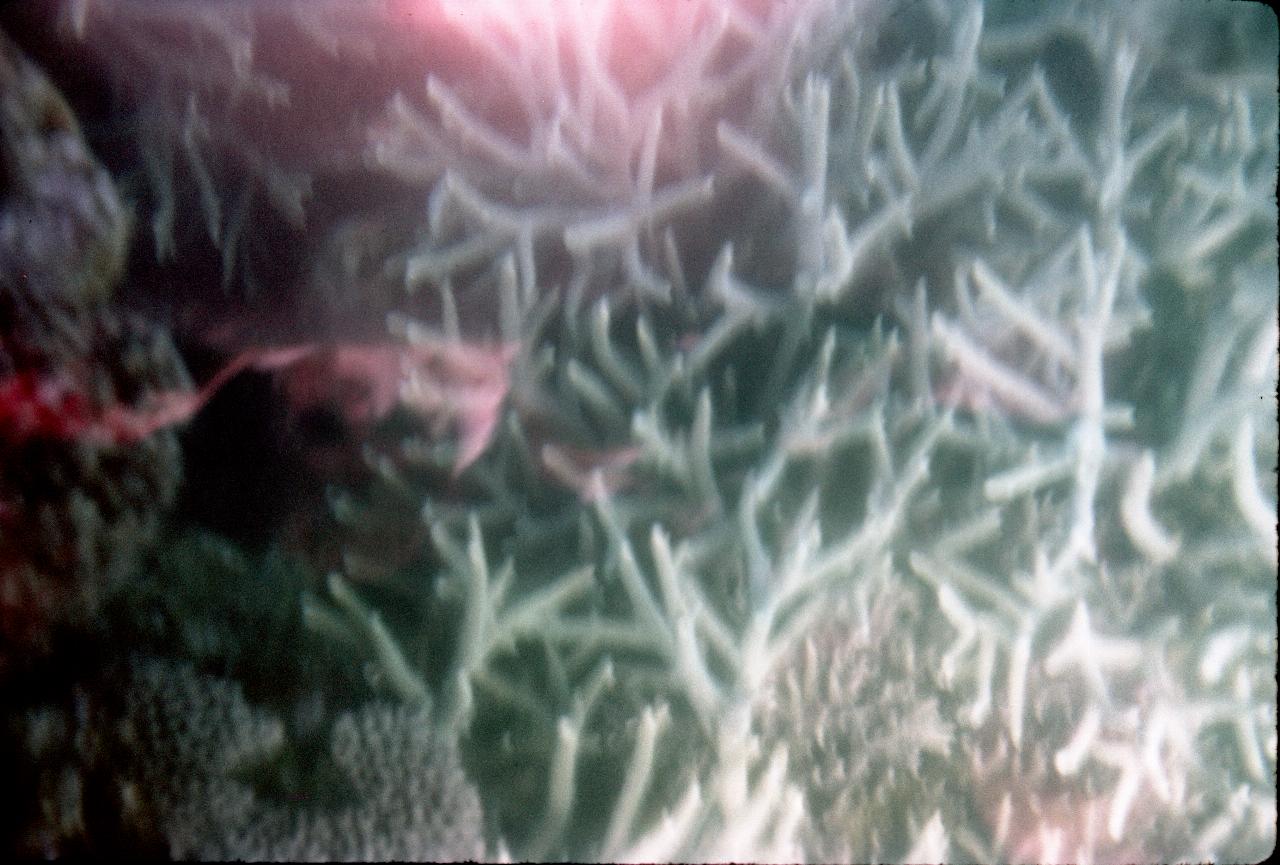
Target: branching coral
(601, 121)
(202, 80)
(770, 474)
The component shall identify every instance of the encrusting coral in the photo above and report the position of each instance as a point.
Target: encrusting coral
(180, 764)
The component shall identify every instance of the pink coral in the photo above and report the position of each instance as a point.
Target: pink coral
(459, 383)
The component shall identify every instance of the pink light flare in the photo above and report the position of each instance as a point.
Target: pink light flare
(636, 41)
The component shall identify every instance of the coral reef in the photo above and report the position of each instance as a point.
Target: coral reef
(76, 513)
(813, 430)
(184, 765)
(76, 507)
(750, 451)
(865, 728)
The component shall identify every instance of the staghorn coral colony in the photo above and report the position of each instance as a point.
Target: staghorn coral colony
(811, 430)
